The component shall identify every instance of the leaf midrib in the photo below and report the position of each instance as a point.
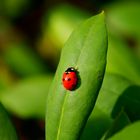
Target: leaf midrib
(66, 95)
(61, 117)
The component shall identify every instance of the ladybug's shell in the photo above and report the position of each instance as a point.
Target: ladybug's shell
(69, 80)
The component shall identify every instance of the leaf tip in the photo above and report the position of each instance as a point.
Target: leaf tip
(102, 13)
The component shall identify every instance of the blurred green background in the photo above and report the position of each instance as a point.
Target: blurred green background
(32, 34)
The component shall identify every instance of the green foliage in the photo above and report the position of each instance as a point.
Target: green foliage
(131, 132)
(119, 123)
(127, 65)
(115, 108)
(67, 17)
(108, 97)
(130, 102)
(23, 61)
(101, 118)
(7, 131)
(97, 125)
(28, 97)
(67, 111)
(123, 18)
(32, 34)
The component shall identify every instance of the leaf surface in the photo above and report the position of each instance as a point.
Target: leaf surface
(68, 111)
(28, 97)
(7, 131)
(131, 132)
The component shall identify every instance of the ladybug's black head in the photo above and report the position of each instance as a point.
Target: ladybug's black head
(71, 69)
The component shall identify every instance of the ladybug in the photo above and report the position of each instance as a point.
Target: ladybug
(70, 78)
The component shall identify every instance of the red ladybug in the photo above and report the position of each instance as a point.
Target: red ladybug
(70, 78)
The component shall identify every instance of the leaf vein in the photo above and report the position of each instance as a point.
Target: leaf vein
(66, 96)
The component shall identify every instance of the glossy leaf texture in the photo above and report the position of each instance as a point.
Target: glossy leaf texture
(68, 111)
(123, 94)
(112, 89)
(131, 132)
(7, 131)
(97, 124)
(101, 118)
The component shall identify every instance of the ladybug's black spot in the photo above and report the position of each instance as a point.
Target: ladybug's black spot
(69, 79)
(63, 79)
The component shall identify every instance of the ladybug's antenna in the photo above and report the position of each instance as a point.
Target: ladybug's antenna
(76, 67)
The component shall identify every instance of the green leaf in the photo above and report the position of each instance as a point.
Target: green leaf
(122, 61)
(68, 111)
(22, 60)
(119, 123)
(101, 118)
(130, 102)
(123, 94)
(112, 88)
(28, 97)
(131, 132)
(97, 125)
(123, 18)
(2, 85)
(62, 20)
(7, 131)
